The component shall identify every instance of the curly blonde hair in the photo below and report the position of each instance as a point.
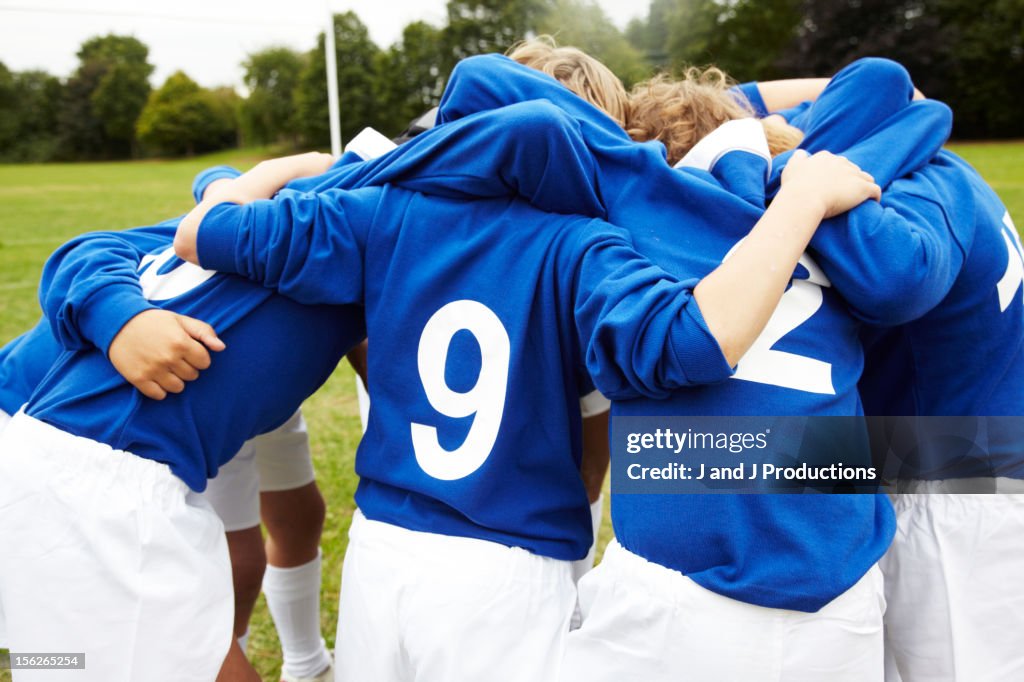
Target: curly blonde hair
(576, 70)
(680, 112)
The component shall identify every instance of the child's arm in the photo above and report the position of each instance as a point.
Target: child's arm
(892, 265)
(739, 296)
(894, 261)
(778, 95)
(262, 182)
(90, 286)
(646, 334)
(308, 247)
(858, 99)
(783, 94)
(91, 296)
(531, 149)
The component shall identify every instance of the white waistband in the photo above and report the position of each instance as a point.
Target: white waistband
(436, 549)
(38, 445)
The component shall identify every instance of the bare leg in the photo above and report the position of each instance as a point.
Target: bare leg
(236, 667)
(248, 562)
(294, 521)
(596, 454)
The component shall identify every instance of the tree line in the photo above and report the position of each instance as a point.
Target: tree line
(967, 53)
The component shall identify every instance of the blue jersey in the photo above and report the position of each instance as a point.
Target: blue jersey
(28, 358)
(481, 314)
(885, 275)
(23, 364)
(965, 356)
(687, 222)
(961, 354)
(808, 361)
(278, 352)
(752, 95)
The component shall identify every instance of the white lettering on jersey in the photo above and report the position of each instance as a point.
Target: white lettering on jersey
(1013, 279)
(180, 280)
(486, 399)
(763, 365)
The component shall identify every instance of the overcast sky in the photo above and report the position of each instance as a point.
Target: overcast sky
(206, 38)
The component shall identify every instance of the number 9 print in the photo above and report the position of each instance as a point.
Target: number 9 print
(486, 399)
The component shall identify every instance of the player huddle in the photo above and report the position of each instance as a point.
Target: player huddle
(549, 237)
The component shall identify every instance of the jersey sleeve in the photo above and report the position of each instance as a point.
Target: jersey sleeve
(531, 149)
(898, 146)
(752, 94)
(889, 264)
(207, 176)
(490, 81)
(857, 99)
(90, 286)
(307, 246)
(796, 115)
(642, 331)
(892, 262)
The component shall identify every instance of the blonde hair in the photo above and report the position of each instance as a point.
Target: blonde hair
(681, 112)
(576, 70)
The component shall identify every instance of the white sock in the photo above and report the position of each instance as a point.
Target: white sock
(244, 640)
(293, 597)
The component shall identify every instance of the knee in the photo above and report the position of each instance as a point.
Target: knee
(298, 513)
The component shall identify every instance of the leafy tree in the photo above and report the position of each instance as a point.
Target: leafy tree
(357, 76)
(969, 54)
(268, 113)
(650, 35)
(743, 37)
(227, 108)
(690, 26)
(104, 97)
(183, 118)
(410, 77)
(583, 24)
(29, 106)
(481, 26)
(833, 34)
(750, 35)
(980, 66)
(9, 108)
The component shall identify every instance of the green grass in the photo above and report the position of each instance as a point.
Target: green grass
(41, 206)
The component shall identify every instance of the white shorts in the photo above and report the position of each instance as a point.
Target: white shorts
(421, 606)
(4, 418)
(277, 460)
(110, 555)
(954, 582)
(642, 621)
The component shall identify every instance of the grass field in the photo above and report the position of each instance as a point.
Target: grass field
(41, 206)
